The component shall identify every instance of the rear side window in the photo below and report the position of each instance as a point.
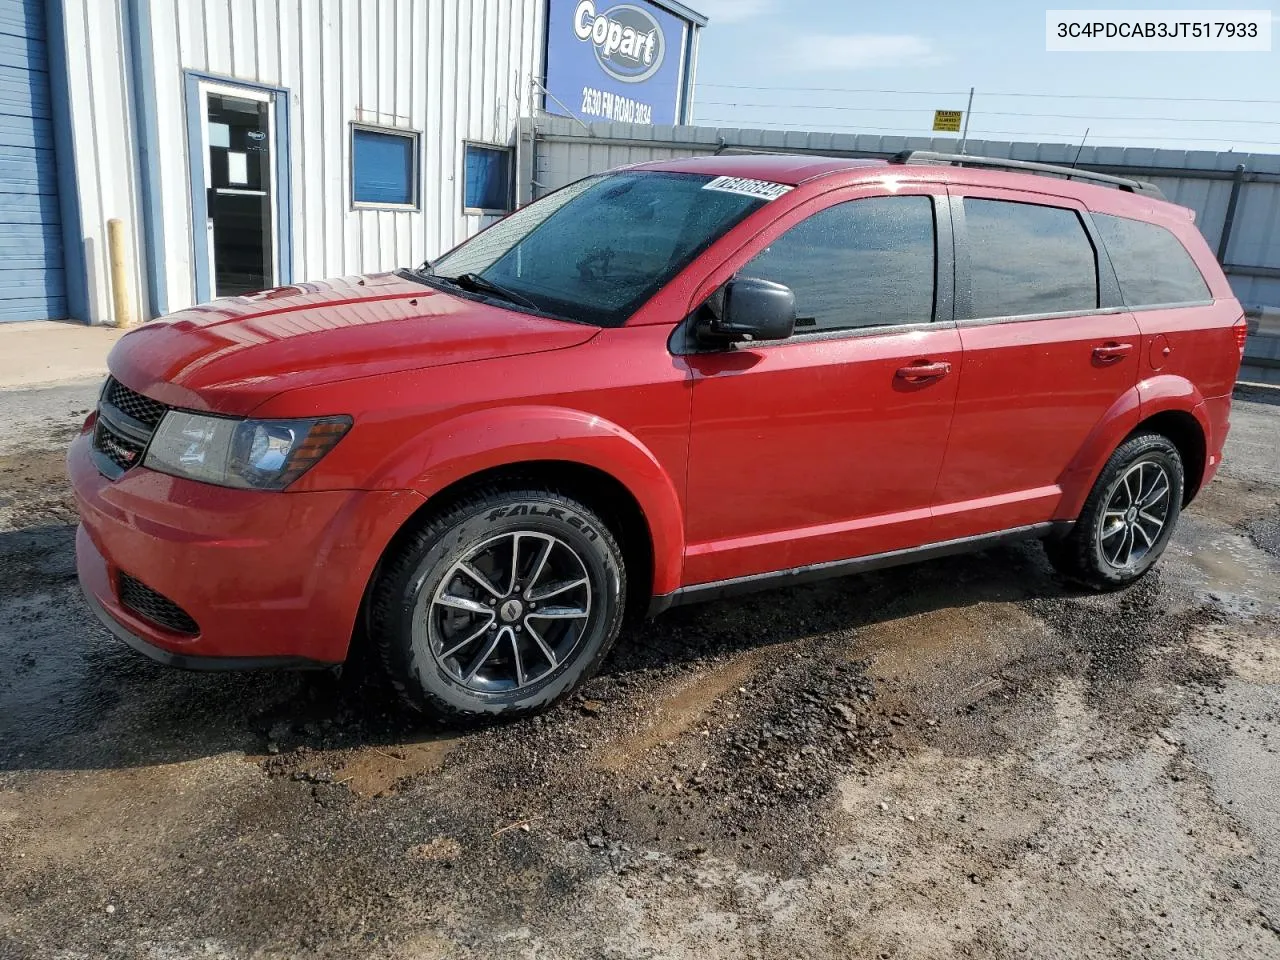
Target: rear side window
(1152, 265)
(1026, 259)
(862, 263)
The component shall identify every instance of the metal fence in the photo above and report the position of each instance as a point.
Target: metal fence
(1236, 196)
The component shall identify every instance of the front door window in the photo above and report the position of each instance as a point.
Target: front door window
(863, 263)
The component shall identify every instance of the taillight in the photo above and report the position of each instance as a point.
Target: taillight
(1241, 330)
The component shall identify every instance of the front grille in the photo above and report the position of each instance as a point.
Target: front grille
(154, 607)
(126, 421)
(115, 446)
(133, 404)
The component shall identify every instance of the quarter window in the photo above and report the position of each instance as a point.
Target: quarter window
(862, 263)
(1028, 259)
(1152, 265)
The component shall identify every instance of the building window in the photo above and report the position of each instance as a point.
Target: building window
(488, 186)
(384, 167)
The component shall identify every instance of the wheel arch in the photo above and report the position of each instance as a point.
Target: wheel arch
(581, 454)
(1187, 433)
(1174, 407)
(1167, 404)
(606, 495)
(1079, 477)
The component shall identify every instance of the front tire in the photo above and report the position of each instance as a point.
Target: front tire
(500, 605)
(1128, 518)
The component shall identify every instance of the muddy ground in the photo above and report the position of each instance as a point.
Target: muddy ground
(966, 758)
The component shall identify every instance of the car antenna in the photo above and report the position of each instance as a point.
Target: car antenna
(1079, 148)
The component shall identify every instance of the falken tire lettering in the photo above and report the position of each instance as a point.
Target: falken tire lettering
(554, 513)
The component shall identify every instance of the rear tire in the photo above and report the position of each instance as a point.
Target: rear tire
(1128, 518)
(499, 606)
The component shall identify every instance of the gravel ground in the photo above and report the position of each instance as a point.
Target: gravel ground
(966, 758)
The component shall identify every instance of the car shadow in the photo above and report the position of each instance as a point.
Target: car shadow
(72, 697)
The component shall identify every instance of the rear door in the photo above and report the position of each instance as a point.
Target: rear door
(827, 445)
(1048, 350)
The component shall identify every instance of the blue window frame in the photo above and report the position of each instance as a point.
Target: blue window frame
(488, 186)
(384, 167)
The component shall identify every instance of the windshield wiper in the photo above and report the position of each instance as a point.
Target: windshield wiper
(478, 284)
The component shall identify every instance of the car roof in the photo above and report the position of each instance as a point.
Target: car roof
(785, 168)
(795, 169)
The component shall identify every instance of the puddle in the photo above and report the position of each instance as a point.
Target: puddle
(669, 718)
(1234, 570)
(951, 640)
(65, 816)
(367, 771)
(375, 771)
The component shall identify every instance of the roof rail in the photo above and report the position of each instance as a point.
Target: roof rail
(997, 163)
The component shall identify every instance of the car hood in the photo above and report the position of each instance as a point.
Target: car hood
(230, 355)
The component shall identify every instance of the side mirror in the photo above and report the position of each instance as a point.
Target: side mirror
(751, 309)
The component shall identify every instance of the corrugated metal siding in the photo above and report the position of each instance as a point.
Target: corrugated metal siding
(103, 134)
(451, 69)
(32, 275)
(567, 151)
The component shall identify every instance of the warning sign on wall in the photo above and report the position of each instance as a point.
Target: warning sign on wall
(947, 121)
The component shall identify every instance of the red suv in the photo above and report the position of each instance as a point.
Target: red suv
(659, 385)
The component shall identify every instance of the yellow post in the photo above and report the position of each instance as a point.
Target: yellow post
(119, 273)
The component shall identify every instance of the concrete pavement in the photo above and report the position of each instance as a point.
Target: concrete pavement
(40, 352)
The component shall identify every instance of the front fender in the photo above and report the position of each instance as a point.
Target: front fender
(497, 437)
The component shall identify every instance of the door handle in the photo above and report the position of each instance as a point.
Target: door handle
(1111, 352)
(924, 370)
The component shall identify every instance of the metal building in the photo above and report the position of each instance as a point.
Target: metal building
(249, 143)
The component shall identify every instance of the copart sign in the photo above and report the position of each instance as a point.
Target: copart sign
(627, 39)
(621, 61)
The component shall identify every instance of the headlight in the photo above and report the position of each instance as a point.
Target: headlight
(262, 454)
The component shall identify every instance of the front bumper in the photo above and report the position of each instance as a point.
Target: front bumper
(270, 579)
(188, 661)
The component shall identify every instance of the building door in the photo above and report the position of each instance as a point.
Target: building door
(236, 204)
(32, 275)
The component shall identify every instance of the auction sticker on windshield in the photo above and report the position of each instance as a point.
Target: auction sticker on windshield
(763, 189)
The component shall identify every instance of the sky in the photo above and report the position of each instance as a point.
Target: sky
(813, 64)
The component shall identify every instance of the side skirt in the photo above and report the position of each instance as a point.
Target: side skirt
(792, 576)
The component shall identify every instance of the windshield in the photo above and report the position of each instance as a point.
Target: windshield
(596, 250)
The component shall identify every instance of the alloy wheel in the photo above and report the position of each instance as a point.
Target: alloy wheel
(510, 611)
(1135, 515)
